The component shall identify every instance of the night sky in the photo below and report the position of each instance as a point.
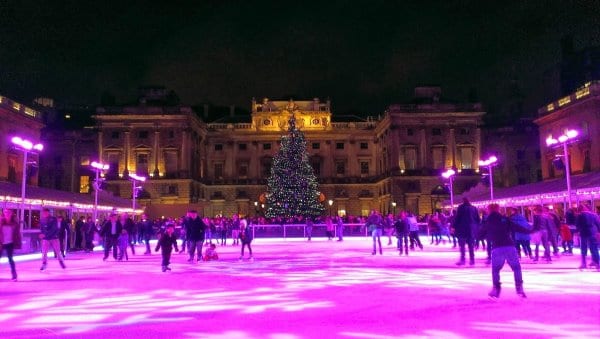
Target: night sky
(363, 55)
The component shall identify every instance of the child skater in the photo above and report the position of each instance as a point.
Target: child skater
(246, 238)
(123, 242)
(167, 242)
(211, 253)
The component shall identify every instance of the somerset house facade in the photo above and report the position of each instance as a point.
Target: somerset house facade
(388, 163)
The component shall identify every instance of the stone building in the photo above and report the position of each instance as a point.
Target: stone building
(580, 111)
(17, 119)
(389, 163)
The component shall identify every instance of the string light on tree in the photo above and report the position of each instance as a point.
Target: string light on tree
(292, 186)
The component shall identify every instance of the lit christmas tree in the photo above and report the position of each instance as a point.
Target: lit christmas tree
(292, 186)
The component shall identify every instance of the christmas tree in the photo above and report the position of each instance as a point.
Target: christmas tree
(292, 188)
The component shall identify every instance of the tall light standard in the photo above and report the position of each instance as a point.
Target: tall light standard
(489, 163)
(330, 202)
(98, 168)
(564, 139)
(449, 174)
(27, 147)
(135, 189)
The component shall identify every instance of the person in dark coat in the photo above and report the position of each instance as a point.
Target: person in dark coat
(465, 223)
(498, 229)
(64, 234)
(588, 225)
(167, 242)
(194, 230)
(49, 235)
(146, 229)
(110, 232)
(246, 238)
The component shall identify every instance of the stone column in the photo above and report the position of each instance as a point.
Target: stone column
(477, 151)
(156, 153)
(451, 142)
(127, 151)
(423, 149)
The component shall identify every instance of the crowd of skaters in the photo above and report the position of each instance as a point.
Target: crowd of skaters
(467, 228)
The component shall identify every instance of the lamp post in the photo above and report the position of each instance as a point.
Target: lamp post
(134, 189)
(394, 208)
(330, 202)
(449, 174)
(27, 147)
(564, 139)
(98, 168)
(489, 163)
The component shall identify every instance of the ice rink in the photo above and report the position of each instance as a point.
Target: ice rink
(297, 289)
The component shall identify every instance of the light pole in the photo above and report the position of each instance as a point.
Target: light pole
(27, 147)
(134, 189)
(489, 163)
(564, 139)
(449, 174)
(330, 202)
(98, 168)
(394, 208)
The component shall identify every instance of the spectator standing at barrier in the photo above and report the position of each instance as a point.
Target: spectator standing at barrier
(10, 238)
(146, 230)
(49, 236)
(466, 222)
(64, 233)
(79, 233)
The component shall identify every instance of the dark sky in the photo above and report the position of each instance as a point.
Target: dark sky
(364, 55)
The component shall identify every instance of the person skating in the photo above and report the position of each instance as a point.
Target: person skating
(167, 242)
(499, 230)
(49, 236)
(588, 225)
(375, 226)
(465, 223)
(110, 232)
(10, 238)
(246, 238)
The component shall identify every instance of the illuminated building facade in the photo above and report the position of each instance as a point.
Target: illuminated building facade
(578, 111)
(221, 167)
(18, 119)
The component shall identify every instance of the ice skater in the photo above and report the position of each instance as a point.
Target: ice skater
(49, 236)
(245, 238)
(10, 238)
(123, 242)
(167, 242)
(211, 253)
(499, 229)
(375, 226)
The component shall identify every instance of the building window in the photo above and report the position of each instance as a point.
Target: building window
(266, 167)
(219, 171)
(171, 134)
(113, 162)
(538, 155)
(520, 155)
(243, 170)
(410, 158)
(266, 147)
(316, 145)
(437, 155)
(170, 190)
(171, 164)
(143, 134)
(364, 167)
(316, 165)
(364, 145)
(84, 184)
(466, 157)
(464, 131)
(115, 135)
(84, 160)
(141, 167)
(410, 132)
(340, 167)
(218, 147)
(242, 147)
(339, 145)
(436, 131)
